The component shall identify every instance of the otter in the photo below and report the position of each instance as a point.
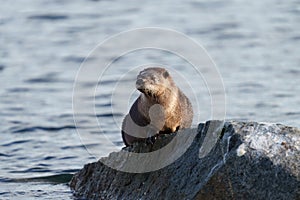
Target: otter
(161, 108)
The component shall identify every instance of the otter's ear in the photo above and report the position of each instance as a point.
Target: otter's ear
(166, 74)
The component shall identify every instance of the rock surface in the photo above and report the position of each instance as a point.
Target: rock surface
(232, 160)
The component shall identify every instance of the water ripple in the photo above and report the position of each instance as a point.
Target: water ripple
(19, 89)
(49, 158)
(295, 38)
(3, 193)
(283, 95)
(30, 170)
(292, 113)
(102, 105)
(2, 67)
(230, 36)
(44, 128)
(110, 115)
(16, 142)
(5, 155)
(294, 71)
(59, 178)
(79, 146)
(48, 78)
(77, 59)
(67, 157)
(48, 17)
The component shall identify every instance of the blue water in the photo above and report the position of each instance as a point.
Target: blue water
(255, 45)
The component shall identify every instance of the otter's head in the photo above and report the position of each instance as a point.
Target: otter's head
(154, 81)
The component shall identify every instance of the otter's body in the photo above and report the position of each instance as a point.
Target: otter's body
(161, 108)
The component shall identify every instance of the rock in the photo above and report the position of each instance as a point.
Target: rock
(232, 160)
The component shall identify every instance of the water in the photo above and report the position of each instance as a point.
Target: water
(42, 44)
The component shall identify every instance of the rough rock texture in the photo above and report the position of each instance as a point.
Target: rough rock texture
(235, 160)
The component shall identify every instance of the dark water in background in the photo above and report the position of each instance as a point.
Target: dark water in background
(255, 45)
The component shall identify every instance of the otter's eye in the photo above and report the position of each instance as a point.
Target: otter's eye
(166, 74)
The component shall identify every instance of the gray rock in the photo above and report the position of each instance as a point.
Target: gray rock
(235, 160)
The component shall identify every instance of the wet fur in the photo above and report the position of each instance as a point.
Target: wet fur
(157, 87)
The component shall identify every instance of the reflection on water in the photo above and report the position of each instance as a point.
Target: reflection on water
(42, 44)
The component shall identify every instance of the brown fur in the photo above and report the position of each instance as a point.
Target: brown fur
(169, 108)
